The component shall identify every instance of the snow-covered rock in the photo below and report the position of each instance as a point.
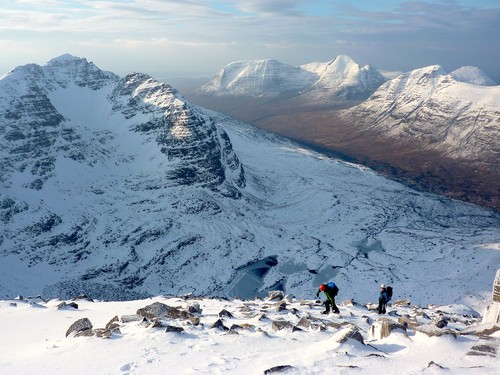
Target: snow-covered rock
(236, 344)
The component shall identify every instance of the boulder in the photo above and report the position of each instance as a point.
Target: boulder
(279, 325)
(408, 322)
(219, 325)
(275, 295)
(481, 330)
(64, 305)
(350, 332)
(161, 310)
(131, 318)
(113, 323)
(383, 327)
(483, 350)
(278, 369)
(195, 308)
(401, 303)
(102, 333)
(225, 313)
(169, 328)
(80, 326)
(431, 330)
(303, 323)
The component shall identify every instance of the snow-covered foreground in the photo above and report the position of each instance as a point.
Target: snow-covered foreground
(248, 342)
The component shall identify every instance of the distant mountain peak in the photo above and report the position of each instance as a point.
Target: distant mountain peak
(64, 59)
(472, 75)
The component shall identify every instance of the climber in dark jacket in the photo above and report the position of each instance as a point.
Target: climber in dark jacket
(382, 299)
(330, 292)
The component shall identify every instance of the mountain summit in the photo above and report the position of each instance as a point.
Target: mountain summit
(339, 80)
(118, 188)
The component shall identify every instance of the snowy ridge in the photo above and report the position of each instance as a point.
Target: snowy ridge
(119, 188)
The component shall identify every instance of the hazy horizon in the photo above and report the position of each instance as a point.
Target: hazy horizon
(194, 38)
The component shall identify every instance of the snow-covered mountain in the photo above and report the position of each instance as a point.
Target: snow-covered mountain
(342, 79)
(455, 114)
(118, 188)
(339, 80)
(259, 78)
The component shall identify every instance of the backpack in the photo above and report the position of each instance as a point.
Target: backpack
(334, 288)
(389, 293)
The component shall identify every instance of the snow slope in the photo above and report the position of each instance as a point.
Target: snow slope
(256, 337)
(118, 188)
(455, 114)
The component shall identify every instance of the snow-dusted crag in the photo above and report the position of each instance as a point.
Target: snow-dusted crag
(337, 81)
(118, 188)
(456, 114)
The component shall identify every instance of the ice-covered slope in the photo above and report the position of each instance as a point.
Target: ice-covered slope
(117, 187)
(339, 80)
(432, 109)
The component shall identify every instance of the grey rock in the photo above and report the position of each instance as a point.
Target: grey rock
(383, 327)
(219, 325)
(351, 332)
(278, 369)
(225, 313)
(131, 318)
(169, 328)
(79, 326)
(279, 325)
(161, 310)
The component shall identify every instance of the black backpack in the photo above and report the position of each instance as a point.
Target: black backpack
(389, 292)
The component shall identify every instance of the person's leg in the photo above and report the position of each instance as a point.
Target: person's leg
(327, 307)
(380, 307)
(335, 309)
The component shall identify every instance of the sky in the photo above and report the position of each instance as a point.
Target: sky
(196, 38)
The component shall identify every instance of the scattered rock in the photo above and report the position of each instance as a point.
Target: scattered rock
(169, 328)
(102, 333)
(408, 322)
(281, 306)
(303, 323)
(434, 364)
(279, 325)
(275, 295)
(219, 325)
(13, 304)
(401, 303)
(131, 318)
(80, 326)
(278, 369)
(113, 323)
(433, 331)
(383, 327)
(440, 323)
(483, 350)
(161, 310)
(481, 330)
(195, 308)
(64, 305)
(225, 313)
(296, 329)
(194, 320)
(351, 332)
